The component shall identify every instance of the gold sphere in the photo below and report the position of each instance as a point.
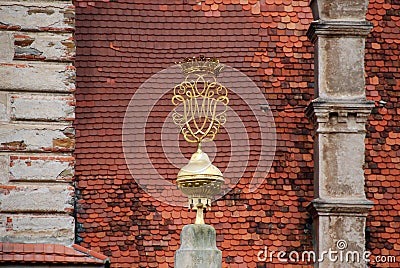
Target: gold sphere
(200, 180)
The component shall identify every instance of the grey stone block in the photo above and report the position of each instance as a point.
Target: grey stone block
(44, 46)
(4, 106)
(6, 48)
(37, 198)
(37, 77)
(42, 107)
(4, 169)
(20, 228)
(37, 15)
(198, 248)
(41, 168)
(28, 138)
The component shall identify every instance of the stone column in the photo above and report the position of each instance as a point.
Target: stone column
(339, 113)
(198, 248)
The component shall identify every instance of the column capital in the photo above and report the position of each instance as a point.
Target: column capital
(338, 28)
(339, 116)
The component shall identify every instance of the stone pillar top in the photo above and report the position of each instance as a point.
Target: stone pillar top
(198, 248)
(198, 236)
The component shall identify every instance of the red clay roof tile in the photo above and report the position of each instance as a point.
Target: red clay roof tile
(49, 253)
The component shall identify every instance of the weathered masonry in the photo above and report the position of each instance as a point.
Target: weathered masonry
(37, 81)
(339, 112)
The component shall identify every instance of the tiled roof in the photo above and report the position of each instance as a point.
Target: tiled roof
(382, 168)
(122, 43)
(49, 254)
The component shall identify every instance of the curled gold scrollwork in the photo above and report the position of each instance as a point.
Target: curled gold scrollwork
(200, 108)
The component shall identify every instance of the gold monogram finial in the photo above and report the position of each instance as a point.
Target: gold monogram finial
(200, 104)
(200, 110)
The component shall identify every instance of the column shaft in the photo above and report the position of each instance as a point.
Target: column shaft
(339, 113)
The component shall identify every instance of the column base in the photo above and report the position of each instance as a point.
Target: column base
(339, 232)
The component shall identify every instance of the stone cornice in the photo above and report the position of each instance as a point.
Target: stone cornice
(338, 28)
(340, 207)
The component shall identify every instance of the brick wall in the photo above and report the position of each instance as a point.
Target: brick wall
(37, 81)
